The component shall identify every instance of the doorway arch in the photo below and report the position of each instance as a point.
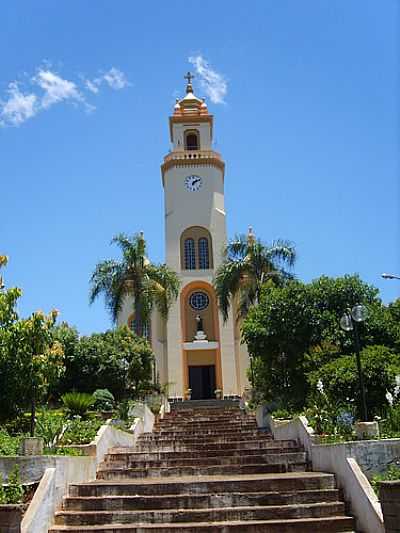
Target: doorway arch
(200, 359)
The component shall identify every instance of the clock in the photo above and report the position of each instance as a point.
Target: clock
(193, 183)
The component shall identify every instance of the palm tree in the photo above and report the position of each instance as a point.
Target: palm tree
(3, 263)
(134, 276)
(248, 264)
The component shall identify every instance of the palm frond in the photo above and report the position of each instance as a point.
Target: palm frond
(282, 251)
(134, 276)
(237, 248)
(102, 278)
(227, 282)
(166, 286)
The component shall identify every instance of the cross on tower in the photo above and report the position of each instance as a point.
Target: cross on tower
(189, 76)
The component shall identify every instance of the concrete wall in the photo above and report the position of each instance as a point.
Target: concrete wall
(41, 509)
(390, 498)
(341, 460)
(69, 469)
(373, 456)
(56, 473)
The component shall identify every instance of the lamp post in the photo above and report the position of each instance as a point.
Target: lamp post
(390, 276)
(349, 322)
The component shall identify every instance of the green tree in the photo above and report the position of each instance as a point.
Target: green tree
(31, 362)
(339, 378)
(248, 264)
(118, 360)
(3, 262)
(295, 329)
(136, 277)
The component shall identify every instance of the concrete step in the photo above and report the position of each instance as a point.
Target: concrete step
(206, 430)
(283, 482)
(134, 456)
(198, 501)
(205, 468)
(334, 524)
(205, 405)
(217, 470)
(195, 445)
(123, 472)
(272, 512)
(205, 436)
(201, 420)
(200, 461)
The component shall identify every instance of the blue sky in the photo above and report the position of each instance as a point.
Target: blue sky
(308, 126)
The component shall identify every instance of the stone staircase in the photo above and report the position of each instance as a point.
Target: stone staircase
(205, 468)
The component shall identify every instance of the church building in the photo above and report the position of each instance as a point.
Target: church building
(197, 353)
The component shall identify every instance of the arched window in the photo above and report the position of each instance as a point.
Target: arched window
(146, 330)
(196, 249)
(204, 254)
(192, 140)
(190, 254)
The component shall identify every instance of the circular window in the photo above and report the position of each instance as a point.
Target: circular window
(199, 301)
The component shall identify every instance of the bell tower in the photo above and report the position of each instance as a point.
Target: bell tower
(197, 359)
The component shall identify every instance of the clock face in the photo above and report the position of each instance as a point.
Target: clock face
(193, 183)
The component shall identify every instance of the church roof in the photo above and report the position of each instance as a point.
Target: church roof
(190, 105)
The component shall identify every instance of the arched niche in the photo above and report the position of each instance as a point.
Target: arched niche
(192, 140)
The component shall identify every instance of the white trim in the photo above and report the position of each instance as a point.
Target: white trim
(200, 345)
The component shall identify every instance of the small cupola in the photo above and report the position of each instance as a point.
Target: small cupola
(191, 124)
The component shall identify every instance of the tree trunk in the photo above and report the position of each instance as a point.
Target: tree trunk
(138, 317)
(33, 411)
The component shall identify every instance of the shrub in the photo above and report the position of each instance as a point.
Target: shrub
(77, 403)
(340, 378)
(124, 408)
(390, 426)
(116, 360)
(13, 491)
(9, 445)
(392, 473)
(81, 431)
(50, 426)
(104, 400)
(282, 413)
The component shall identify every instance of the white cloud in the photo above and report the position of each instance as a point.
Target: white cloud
(19, 107)
(56, 89)
(48, 88)
(213, 84)
(116, 79)
(92, 86)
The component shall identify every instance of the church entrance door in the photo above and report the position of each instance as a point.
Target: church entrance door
(202, 382)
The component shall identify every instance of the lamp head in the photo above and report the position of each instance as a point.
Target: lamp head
(359, 313)
(345, 322)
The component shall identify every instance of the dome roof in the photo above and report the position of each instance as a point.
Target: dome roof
(190, 104)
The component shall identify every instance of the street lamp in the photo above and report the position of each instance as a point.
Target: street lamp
(349, 322)
(390, 276)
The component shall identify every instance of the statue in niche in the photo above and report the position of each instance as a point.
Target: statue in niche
(199, 321)
(200, 335)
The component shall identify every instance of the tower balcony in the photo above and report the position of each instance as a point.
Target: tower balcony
(189, 158)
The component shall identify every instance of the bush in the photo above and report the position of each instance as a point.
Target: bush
(81, 431)
(116, 360)
(77, 403)
(104, 400)
(50, 425)
(9, 445)
(124, 408)
(390, 425)
(286, 330)
(391, 474)
(13, 492)
(340, 378)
